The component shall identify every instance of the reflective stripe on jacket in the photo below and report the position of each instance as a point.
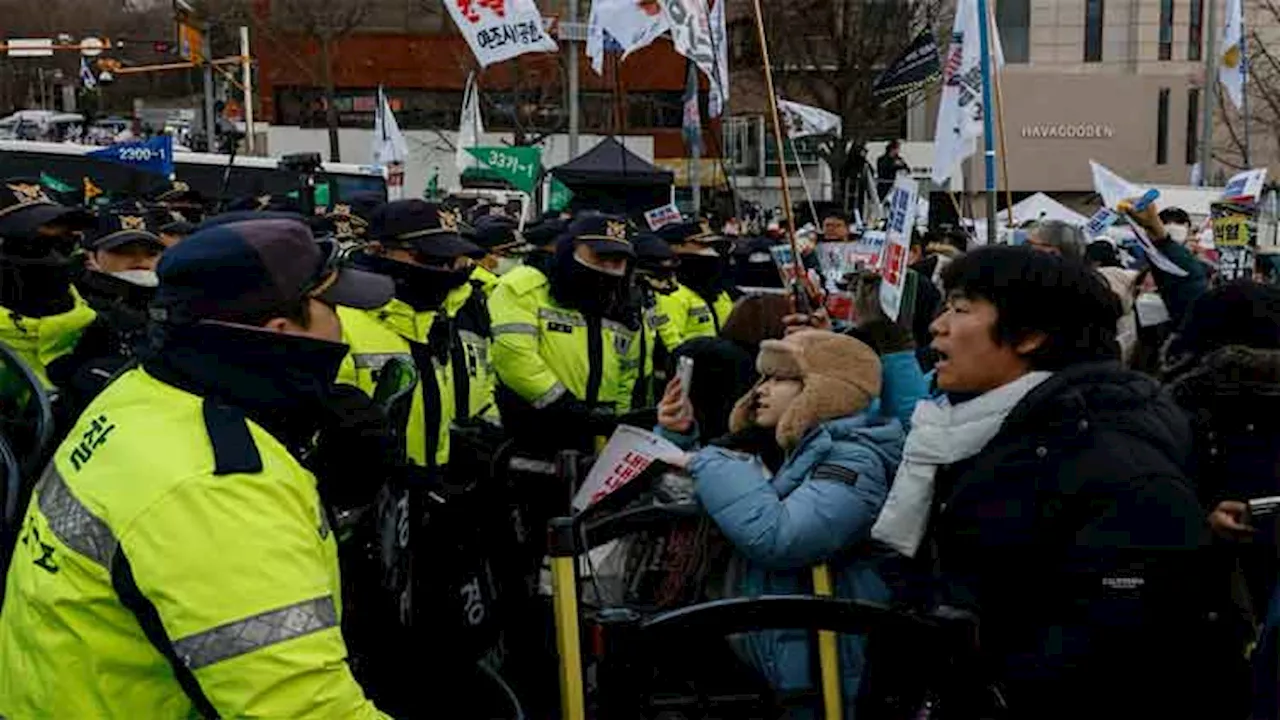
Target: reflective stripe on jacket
(397, 330)
(683, 315)
(542, 350)
(167, 523)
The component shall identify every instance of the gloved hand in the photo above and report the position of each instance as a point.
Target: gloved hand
(355, 452)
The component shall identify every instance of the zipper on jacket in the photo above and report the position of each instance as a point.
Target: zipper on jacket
(595, 360)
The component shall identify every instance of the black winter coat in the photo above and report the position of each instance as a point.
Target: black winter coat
(1077, 538)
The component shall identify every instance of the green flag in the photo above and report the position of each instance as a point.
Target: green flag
(55, 184)
(560, 196)
(517, 165)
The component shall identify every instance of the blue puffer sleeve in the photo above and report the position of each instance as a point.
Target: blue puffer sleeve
(903, 384)
(834, 506)
(685, 441)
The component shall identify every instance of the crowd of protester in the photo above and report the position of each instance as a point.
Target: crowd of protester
(1050, 449)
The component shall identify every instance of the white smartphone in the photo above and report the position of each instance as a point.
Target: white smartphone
(684, 372)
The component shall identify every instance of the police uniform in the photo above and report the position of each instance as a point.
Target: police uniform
(546, 352)
(41, 316)
(684, 314)
(449, 343)
(175, 560)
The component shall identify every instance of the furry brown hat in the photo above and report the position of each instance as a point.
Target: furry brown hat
(840, 374)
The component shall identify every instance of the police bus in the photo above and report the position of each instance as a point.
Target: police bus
(68, 165)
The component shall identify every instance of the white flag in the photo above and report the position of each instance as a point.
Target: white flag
(720, 43)
(691, 33)
(806, 120)
(631, 24)
(470, 126)
(960, 110)
(389, 147)
(499, 30)
(1232, 62)
(1113, 189)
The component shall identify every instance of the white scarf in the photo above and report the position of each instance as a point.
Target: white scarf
(941, 434)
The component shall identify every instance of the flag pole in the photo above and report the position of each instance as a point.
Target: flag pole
(997, 76)
(1244, 85)
(782, 152)
(984, 49)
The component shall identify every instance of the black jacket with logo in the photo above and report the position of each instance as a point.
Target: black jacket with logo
(1078, 539)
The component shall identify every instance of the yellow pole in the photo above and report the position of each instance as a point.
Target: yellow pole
(997, 79)
(564, 593)
(828, 652)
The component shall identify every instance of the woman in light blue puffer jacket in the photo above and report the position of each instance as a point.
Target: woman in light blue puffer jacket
(820, 397)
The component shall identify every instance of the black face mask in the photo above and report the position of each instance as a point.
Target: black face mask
(423, 288)
(587, 290)
(36, 287)
(702, 274)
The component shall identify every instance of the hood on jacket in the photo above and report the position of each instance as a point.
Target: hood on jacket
(1103, 395)
(1229, 375)
(834, 440)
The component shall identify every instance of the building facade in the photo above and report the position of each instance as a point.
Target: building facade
(1116, 81)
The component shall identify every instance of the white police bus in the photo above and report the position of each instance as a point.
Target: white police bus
(69, 165)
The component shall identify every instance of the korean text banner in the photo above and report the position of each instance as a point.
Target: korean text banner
(499, 30)
(902, 222)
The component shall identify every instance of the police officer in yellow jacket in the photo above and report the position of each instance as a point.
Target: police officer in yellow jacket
(41, 315)
(700, 304)
(175, 560)
(504, 247)
(565, 342)
(438, 319)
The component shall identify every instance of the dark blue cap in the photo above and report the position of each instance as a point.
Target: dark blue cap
(546, 231)
(606, 234)
(247, 271)
(25, 207)
(430, 229)
(122, 226)
(687, 231)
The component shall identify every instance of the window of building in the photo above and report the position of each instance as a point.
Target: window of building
(414, 109)
(1162, 128)
(1093, 11)
(655, 110)
(1166, 29)
(1013, 19)
(1193, 125)
(1195, 30)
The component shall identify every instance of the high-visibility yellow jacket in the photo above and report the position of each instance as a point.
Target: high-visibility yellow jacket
(168, 524)
(543, 351)
(40, 341)
(683, 315)
(464, 383)
(487, 278)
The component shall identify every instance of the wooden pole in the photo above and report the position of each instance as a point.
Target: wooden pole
(997, 76)
(782, 147)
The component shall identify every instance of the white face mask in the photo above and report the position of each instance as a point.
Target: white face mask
(141, 278)
(506, 265)
(1177, 233)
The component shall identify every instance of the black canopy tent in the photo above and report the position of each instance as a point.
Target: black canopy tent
(611, 178)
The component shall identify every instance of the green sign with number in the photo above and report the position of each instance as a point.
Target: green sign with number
(519, 166)
(560, 196)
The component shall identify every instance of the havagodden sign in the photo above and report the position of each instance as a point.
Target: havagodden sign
(1068, 131)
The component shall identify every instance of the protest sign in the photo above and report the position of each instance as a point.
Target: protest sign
(153, 156)
(629, 452)
(517, 165)
(660, 216)
(499, 30)
(902, 220)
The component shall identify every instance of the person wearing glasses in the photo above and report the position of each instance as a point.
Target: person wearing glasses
(438, 320)
(175, 559)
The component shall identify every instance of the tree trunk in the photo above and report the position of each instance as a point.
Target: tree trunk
(330, 97)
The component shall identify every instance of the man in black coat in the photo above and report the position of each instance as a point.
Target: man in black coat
(1063, 517)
